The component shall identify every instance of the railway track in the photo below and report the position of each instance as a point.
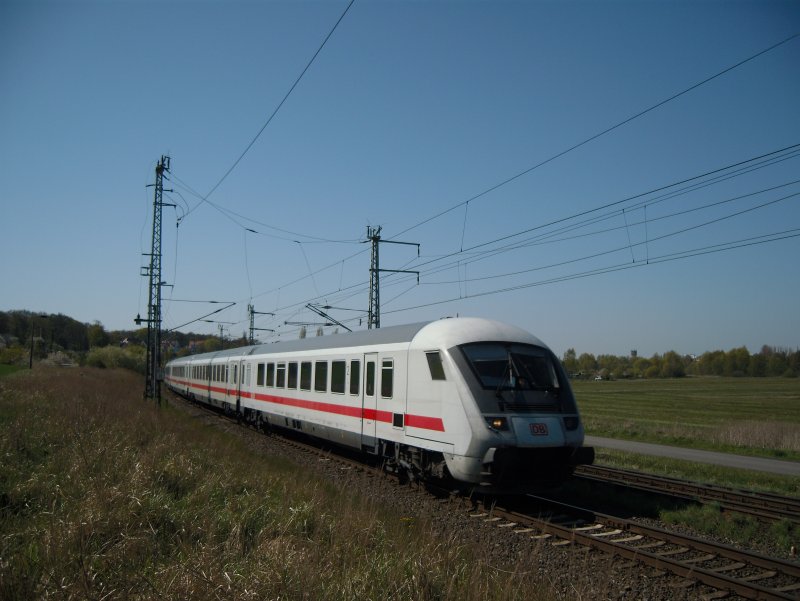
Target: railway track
(724, 569)
(763, 506)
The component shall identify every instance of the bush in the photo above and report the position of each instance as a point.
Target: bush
(132, 358)
(14, 355)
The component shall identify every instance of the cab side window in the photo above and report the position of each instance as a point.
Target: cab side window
(435, 365)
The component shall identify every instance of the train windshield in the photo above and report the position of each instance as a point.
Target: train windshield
(521, 375)
(512, 366)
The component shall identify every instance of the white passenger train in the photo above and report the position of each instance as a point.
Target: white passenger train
(475, 400)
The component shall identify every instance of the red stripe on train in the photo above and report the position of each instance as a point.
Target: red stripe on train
(420, 422)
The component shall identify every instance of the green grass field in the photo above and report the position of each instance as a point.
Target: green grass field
(748, 416)
(8, 369)
(752, 416)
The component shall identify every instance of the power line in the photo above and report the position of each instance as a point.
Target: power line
(508, 180)
(631, 245)
(718, 175)
(230, 214)
(733, 170)
(228, 306)
(745, 242)
(226, 212)
(280, 104)
(598, 135)
(358, 288)
(487, 191)
(647, 242)
(548, 238)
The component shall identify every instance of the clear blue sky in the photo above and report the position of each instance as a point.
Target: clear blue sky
(410, 109)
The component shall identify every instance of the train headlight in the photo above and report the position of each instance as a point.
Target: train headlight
(571, 422)
(497, 423)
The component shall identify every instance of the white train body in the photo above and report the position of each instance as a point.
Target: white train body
(481, 401)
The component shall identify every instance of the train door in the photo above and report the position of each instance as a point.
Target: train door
(239, 385)
(226, 379)
(369, 402)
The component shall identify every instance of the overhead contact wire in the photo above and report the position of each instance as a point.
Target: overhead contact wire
(286, 96)
(600, 134)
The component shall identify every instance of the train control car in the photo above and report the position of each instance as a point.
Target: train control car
(473, 400)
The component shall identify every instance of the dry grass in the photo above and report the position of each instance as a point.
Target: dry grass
(770, 435)
(755, 416)
(104, 497)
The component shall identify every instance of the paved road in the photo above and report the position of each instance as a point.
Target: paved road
(759, 464)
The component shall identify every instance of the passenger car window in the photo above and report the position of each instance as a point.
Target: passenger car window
(355, 377)
(321, 376)
(370, 384)
(305, 375)
(387, 378)
(280, 375)
(338, 376)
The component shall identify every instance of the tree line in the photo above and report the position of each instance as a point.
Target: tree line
(21, 331)
(738, 362)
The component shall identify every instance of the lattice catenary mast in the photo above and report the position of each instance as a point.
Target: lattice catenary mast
(153, 375)
(374, 312)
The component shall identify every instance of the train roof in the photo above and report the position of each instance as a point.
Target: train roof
(442, 333)
(388, 335)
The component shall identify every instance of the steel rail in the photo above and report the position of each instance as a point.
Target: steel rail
(633, 541)
(767, 507)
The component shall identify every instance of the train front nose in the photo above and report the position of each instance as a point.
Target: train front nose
(538, 431)
(546, 450)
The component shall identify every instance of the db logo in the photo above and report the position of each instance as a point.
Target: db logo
(539, 429)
